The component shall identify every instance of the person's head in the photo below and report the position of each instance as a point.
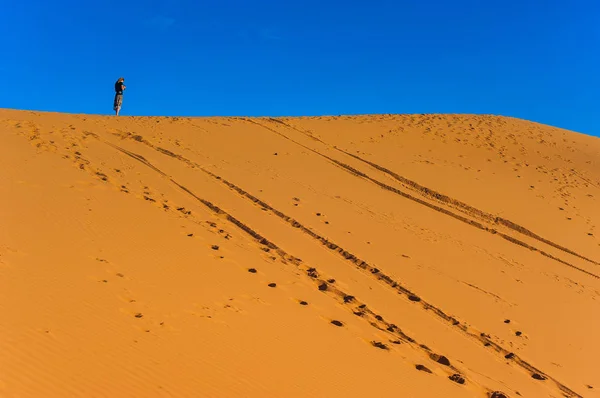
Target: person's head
(121, 80)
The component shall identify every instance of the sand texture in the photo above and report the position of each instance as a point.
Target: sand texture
(359, 256)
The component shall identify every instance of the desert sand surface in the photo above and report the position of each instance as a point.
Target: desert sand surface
(351, 256)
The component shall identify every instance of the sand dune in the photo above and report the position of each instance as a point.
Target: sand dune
(387, 255)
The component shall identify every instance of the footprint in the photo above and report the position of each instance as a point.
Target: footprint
(423, 369)
(380, 345)
(337, 323)
(348, 299)
(252, 270)
(303, 302)
(312, 273)
(440, 359)
(272, 285)
(457, 378)
(498, 394)
(538, 376)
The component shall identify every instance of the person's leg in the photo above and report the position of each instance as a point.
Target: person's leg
(118, 103)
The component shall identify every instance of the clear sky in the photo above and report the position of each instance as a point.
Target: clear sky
(534, 59)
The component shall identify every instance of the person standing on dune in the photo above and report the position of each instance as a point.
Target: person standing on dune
(119, 88)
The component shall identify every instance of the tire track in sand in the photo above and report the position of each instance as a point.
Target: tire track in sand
(439, 209)
(359, 263)
(322, 283)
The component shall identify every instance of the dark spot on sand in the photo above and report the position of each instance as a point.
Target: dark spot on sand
(457, 378)
(510, 355)
(252, 270)
(215, 247)
(412, 297)
(507, 321)
(423, 368)
(440, 359)
(337, 323)
(190, 235)
(380, 345)
(272, 284)
(348, 299)
(498, 394)
(518, 333)
(331, 280)
(323, 286)
(538, 376)
(139, 315)
(303, 303)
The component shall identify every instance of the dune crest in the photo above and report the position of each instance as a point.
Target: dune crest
(388, 255)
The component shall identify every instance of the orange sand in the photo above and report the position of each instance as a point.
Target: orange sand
(127, 245)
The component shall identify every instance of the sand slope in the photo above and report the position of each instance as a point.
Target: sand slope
(295, 257)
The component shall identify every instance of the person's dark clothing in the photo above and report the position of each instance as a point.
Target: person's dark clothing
(119, 88)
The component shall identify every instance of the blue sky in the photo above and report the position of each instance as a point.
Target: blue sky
(537, 60)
